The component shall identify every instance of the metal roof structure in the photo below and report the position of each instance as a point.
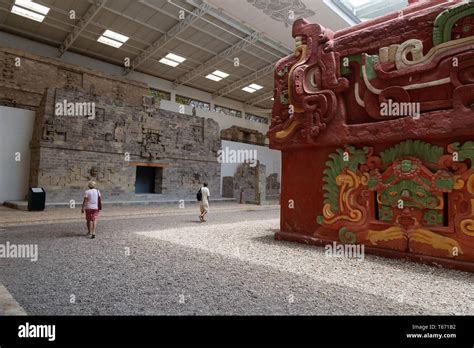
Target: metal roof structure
(201, 33)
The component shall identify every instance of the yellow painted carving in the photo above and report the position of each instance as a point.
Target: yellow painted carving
(348, 182)
(458, 182)
(287, 131)
(301, 52)
(467, 225)
(391, 233)
(436, 240)
(470, 184)
(327, 212)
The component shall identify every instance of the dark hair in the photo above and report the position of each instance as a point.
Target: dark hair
(205, 184)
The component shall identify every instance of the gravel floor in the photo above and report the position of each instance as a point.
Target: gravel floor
(230, 265)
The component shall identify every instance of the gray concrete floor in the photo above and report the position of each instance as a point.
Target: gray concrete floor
(174, 265)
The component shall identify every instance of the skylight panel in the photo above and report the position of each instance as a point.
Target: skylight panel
(112, 38)
(168, 62)
(255, 86)
(172, 59)
(175, 57)
(217, 75)
(30, 10)
(252, 88)
(249, 90)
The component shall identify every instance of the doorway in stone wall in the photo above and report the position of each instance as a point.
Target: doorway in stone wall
(148, 180)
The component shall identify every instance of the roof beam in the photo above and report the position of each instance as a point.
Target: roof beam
(83, 23)
(217, 37)
(211, 63)
(259, 98)
(218, 14)
(245, 80)
(176, 37)
(167, 37)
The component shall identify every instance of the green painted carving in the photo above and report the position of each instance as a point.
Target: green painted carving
(416, 148)
(320, 219)
(433, 217)
(445, 21)
(346, 236)
(390, 179)
(345, 70)
(445, 183)
(411, 193)
(466, 151)
(369, 66)
(421, 193)
(372, 182)
(336, 166)
(425, 180)
(284, 97)
(406, 166)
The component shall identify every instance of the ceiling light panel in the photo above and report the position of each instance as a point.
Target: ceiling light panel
(220, 74)
(115, 36)
(30, 5)
(249, 90)
(30, 10)
(109, 42)
(175, 57)
(172, 59)
(255, 86)
(213, 77)
(112, 38)
(168, 62)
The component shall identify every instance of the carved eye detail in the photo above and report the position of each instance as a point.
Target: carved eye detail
(420, 194)
(393, 193)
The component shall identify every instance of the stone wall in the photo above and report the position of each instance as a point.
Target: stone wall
(24, 77)
(250, 183)
(228, 187)
(272, 186)
(243, 135)
(67, 151)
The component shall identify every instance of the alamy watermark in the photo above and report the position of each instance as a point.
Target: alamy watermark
(20, 251)
(228, 155)
(84, 109)
(350, 251)
(397, 109)
(37, 331)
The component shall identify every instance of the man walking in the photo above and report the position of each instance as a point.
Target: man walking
(204, 206)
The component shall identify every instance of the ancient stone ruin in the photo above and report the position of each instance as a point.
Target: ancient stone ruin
(69, 150)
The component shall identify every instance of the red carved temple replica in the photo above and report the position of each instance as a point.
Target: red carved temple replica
(376, 127)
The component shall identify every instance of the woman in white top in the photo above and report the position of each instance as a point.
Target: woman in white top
(91, 206)
(204, 206)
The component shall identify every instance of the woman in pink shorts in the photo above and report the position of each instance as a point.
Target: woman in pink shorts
(91, 206)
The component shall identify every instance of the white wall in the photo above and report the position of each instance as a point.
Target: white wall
(16, 130)
(270, 158)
